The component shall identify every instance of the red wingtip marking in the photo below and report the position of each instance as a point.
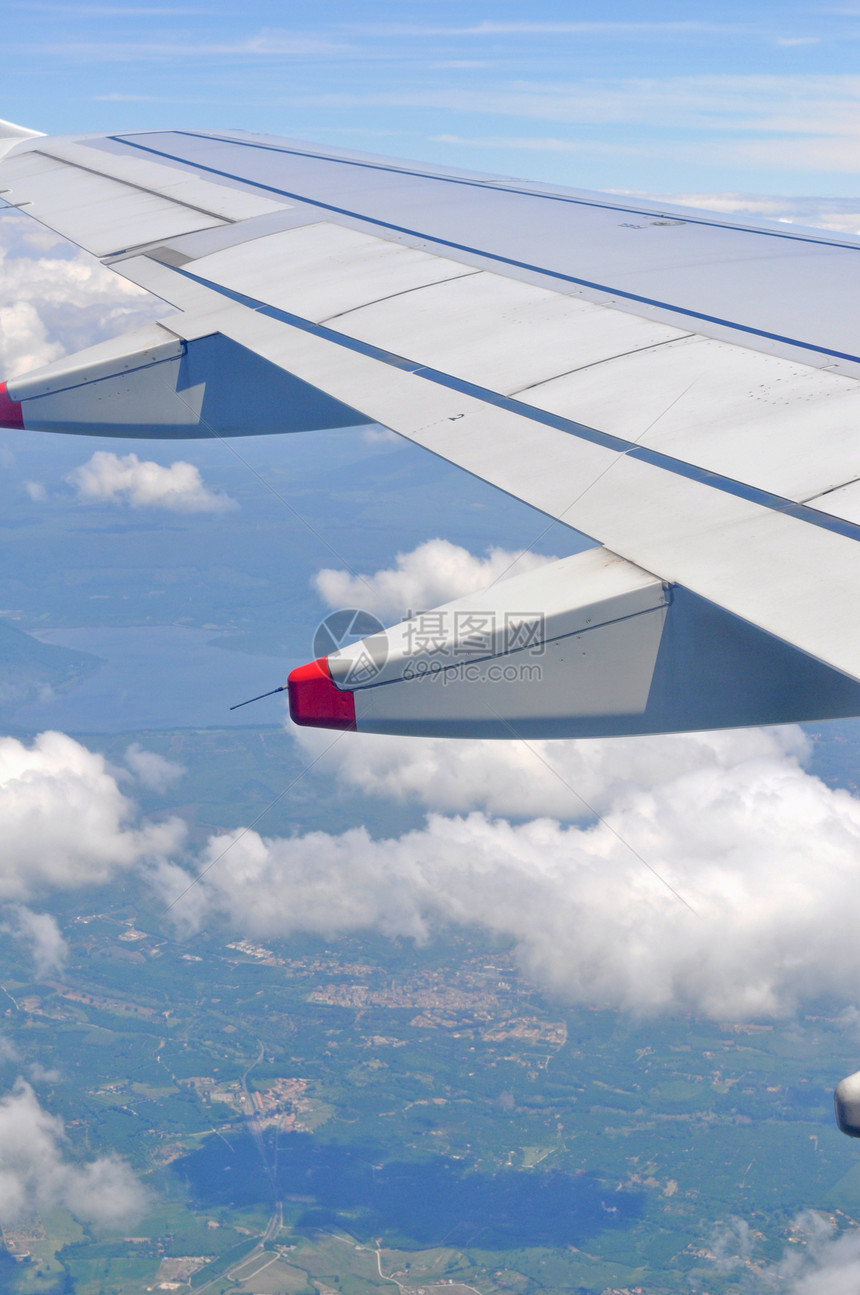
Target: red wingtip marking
(315, 701)
(11, 412)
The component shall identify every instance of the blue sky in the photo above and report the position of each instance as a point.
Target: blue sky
(665, 97)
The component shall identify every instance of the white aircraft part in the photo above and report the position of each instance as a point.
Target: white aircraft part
(156, 384)
(774, 423)
(230, 203)
(779, 425)
(502, 334)
(149, 345)
(11, 135)
(737, 552)
(844, 502)
(132, 395)
(846, 1101)
(591, 625)
(319, 271)
(82, 205)
(108, 203)
(590, 646)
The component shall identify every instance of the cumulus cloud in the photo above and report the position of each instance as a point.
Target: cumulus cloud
(765, 854)
(40, 1074)
(37, 1173)
(126, 479)
(433, 573)
(381, 436)
(54, 299)
(42, 935)
(152, 770)
(24, 342)
(66, 823)
(566, 780)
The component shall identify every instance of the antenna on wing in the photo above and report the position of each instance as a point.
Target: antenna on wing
(283, 688)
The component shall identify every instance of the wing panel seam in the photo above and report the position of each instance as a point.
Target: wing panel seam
(135, 188)
(491, 187)
(655, 458)
(654, 302)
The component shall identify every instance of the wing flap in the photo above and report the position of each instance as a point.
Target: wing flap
(227, 201)
(101, 214)
(322, 270)
(107, 204)
(762, 419)
(500, 333)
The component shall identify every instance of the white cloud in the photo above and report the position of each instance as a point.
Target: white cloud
(766, 855)
(36, 491)
(52, 304)
(836, 213)
(40, 1074)
(40, 932)
(37, 1072)
(827, 1264)
(819, 1261)
(124, 478)
(535, 144)
(805, 122)
(152, 770)
(65, 821)
(24, 343)
(268, 43)
(381, 436)
(433, 573)
(37, 1174)
(615, 29)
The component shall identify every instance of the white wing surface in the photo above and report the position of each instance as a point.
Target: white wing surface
(680, 387)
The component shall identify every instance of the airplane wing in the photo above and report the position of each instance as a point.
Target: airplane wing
(680, 386)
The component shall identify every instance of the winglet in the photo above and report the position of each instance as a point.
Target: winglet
(9, 130)
(12, 134)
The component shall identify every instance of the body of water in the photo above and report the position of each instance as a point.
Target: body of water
(158, 677)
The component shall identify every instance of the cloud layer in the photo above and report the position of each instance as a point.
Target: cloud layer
(37, 1174)
(765, 854)
(126, 479)
(66, 823)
